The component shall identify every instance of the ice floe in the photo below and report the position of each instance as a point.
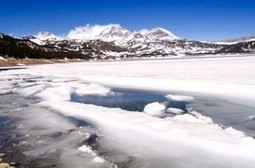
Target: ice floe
(179, 97)
(155, 109)
(92, 89)
(175, 111)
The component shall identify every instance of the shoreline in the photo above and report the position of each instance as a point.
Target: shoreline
(14, 62)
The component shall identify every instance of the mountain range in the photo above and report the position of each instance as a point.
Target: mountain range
(115, 42)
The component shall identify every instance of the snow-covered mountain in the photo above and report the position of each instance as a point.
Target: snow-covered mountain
(119, 35)
(159, 34)
(114, 41)
(115, 33)
(42, 37)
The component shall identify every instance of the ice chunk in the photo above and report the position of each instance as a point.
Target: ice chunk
(201, 117)
(155, 109)
(234, 132)
(6, 87)
(99, 159)
(193, 117)
(252, 117)
(56, 93)
(93, 89)
(5, 91)
(31, 90)
(179, 97)
(187, 118)
(87, 149)
(175, 111)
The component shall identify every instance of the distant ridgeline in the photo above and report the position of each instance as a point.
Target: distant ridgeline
(137, 45)
(24, 48)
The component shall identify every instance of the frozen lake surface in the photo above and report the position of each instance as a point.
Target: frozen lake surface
(221, 111)
(151, 113)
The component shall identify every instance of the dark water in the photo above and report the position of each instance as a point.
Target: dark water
(128, 100)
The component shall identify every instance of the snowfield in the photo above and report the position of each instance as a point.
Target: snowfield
(160, 135)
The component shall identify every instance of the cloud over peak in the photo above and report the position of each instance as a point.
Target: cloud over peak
(87, 32)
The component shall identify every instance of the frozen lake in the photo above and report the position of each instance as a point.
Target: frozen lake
(222, 111)
(151, 113)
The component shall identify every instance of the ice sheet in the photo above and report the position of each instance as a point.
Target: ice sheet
(218, 143)
(185, 140)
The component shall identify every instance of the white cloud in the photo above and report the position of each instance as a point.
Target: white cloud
(86, 32)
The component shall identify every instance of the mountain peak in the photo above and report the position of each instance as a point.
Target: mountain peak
(115, 26)
(159, 34)
(114, 32)
(44, 35)
(41, 37)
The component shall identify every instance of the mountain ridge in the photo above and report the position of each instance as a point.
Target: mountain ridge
(240, 39)
(115, 42)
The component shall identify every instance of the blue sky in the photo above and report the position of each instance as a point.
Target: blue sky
(191, 19)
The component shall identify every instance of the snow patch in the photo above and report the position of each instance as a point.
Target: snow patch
(2, 58)
(37, 41)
